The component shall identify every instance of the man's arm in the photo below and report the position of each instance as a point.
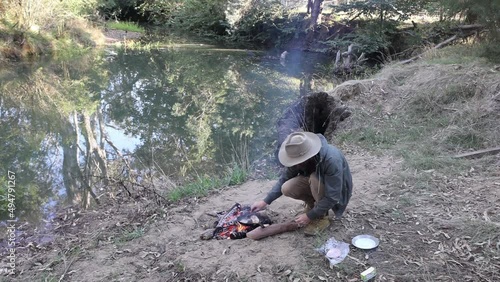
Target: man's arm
(275, 192)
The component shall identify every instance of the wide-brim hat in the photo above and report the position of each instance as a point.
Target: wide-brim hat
(299, 147)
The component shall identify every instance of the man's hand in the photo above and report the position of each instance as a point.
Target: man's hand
(259, 205)
(302, 220)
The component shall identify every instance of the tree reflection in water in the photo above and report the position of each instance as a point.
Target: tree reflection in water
(181, 114)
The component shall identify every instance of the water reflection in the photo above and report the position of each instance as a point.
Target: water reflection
(178, 112)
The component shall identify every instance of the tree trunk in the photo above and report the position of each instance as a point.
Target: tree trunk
(306, 85)
(315, 13)
(94, 154)
(70, 167)
(77, 185)
(94, 150)
(315, 16)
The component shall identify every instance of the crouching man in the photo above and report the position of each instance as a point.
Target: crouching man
(316, 173)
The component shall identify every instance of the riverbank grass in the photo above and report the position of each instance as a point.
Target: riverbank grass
(204, 184)
(125, 26)
(74, 37)
(445, 106)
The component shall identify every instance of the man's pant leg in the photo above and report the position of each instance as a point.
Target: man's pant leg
(317, 187)
(299, 188)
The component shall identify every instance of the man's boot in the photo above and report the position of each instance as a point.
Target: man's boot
(317, 226)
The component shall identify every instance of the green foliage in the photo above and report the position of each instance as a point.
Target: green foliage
(483, 12)
(491, 49)
(211, 113)
(201, 187)
(45, 13)
(47, 27)
(160, 12)
(25, 199)
(80, 7)
(201, 16)
(236, 175)
(377, 23)
(398, 10)
(370, 37)
(114, 9)
(267, 24)
(474, 11)
(126, 26)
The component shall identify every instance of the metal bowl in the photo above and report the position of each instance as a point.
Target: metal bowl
(365, 242)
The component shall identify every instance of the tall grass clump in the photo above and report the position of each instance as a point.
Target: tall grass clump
(236, 175)
(45, 14)
(36, 27)
(204, 184)
(198, 188)
(125, 26)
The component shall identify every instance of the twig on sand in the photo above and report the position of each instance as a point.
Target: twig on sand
(212, 214)
(66, 268)
(357, 261)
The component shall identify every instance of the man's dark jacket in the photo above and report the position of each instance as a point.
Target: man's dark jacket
(333, 171)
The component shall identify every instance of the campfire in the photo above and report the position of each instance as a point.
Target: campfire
(235, 223)
(240, 222)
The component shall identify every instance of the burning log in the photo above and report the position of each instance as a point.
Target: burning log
(229, 218)
(235, 223)
(260, 232)
(207, 234)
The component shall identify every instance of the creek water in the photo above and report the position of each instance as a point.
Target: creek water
(179, 112)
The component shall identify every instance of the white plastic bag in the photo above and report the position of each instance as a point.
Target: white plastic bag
(335, 251)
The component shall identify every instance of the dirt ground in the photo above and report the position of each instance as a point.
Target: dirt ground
(114, 35)
(170, 248)
(422, 241)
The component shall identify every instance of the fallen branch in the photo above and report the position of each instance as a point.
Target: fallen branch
(446, 42)
(470, 27)
(463, 30)
(274, 229)
(440, 45)
(66, 269)
(478, 154)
